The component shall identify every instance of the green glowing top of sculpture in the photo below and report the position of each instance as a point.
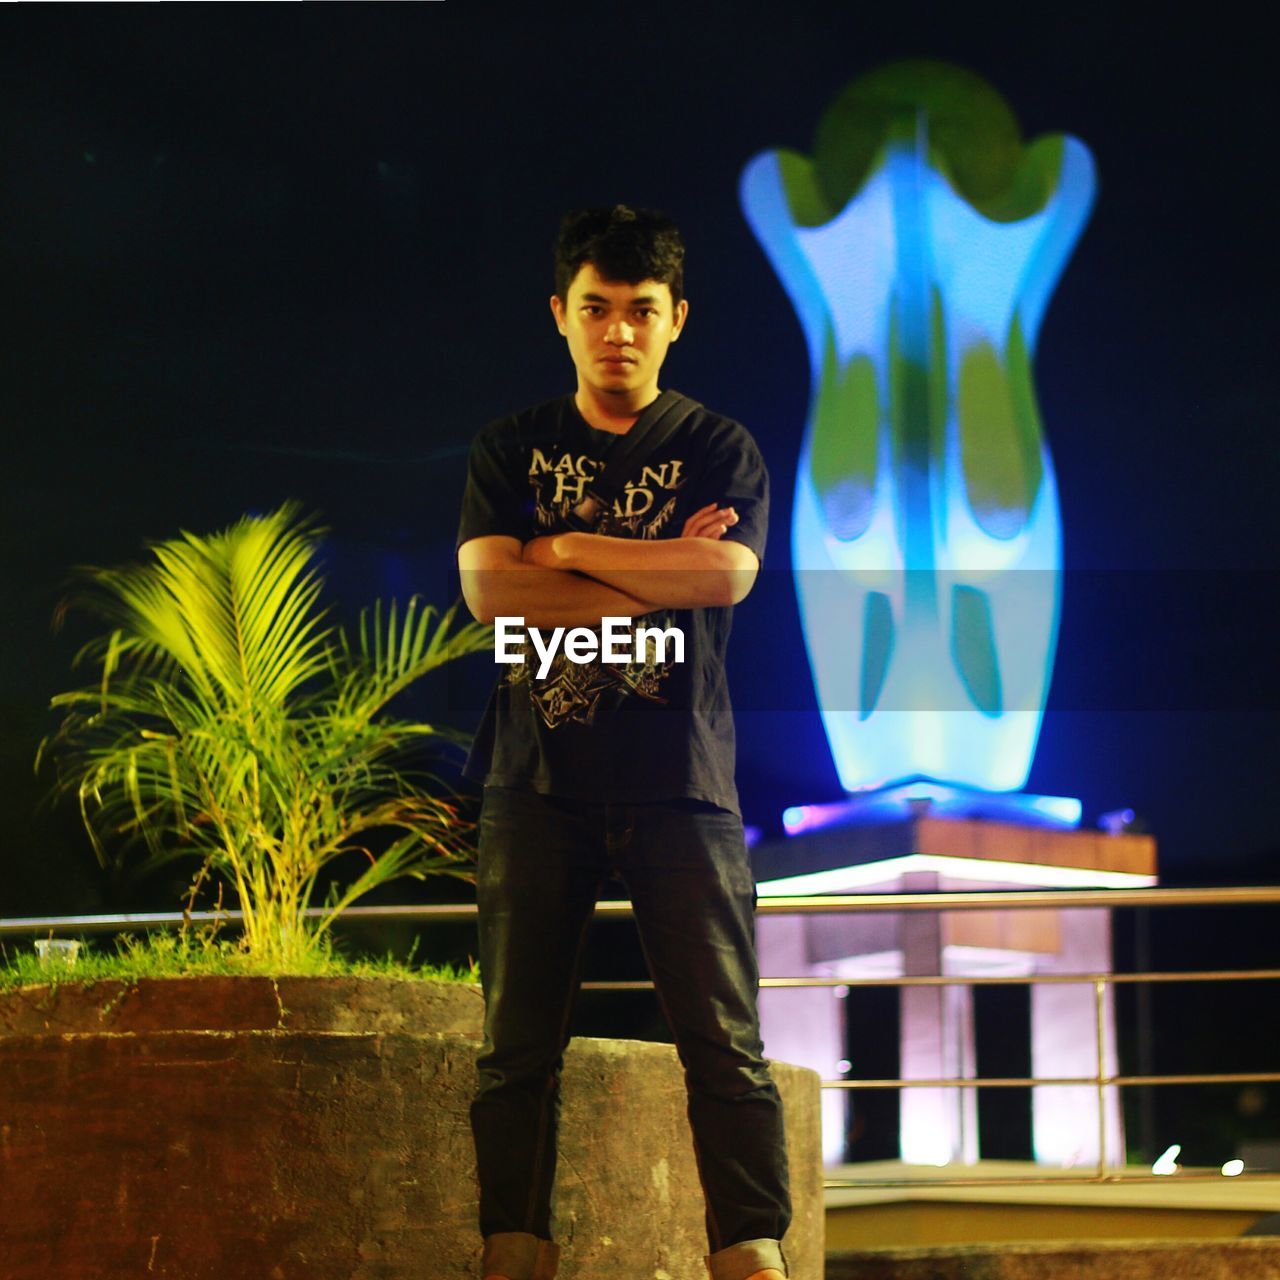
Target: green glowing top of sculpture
(973, 138)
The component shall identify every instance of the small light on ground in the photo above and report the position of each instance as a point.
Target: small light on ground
(1233, 1168)
(1168, 1163)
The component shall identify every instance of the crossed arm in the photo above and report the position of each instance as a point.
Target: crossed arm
(575, 579)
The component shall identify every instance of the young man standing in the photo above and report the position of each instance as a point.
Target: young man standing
(597, 767)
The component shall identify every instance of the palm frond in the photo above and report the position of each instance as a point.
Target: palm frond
(389, 656)
(230, 722)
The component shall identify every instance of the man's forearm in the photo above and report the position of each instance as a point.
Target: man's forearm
(546, 597)
(676, 573)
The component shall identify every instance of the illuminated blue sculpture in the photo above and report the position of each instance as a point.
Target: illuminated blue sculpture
(919, 246)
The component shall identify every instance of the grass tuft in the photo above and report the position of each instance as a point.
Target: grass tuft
(165, 953)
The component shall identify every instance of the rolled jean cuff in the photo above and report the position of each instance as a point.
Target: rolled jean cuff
(738, 1261)
(521, 1256)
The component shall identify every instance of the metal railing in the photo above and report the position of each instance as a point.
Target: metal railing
(841, 904)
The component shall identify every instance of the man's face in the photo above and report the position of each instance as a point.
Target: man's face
(618, 333)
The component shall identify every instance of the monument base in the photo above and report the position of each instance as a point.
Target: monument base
(930, 854)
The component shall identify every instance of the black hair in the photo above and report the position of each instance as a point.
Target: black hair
(622, 244)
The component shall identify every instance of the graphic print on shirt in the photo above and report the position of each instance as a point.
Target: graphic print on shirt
(640, 511)
(573, 691)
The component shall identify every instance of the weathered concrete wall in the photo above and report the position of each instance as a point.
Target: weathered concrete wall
(287, 1154)
(1136, 1260)
(624, 1129)
(244, 1004)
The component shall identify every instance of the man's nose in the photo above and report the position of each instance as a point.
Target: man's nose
(621, 333)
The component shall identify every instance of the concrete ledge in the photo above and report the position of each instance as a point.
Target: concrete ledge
(890, 1182)
(970, 1207)
(217, 1002)
(336, 1155)
(1137, 1260)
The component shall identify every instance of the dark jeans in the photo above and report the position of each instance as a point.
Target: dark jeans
(542, 863)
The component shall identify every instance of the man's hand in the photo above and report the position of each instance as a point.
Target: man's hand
(552, 551)
(711, 521)
(498, 582)
(546, 551)
(695, 571)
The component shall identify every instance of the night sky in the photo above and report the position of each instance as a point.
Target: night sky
(258, 252)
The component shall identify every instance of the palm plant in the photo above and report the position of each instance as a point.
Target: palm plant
(232, 723)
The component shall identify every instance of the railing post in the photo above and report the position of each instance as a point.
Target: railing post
(1100, 1014)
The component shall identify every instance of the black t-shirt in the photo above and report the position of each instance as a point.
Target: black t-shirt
(646, 729)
